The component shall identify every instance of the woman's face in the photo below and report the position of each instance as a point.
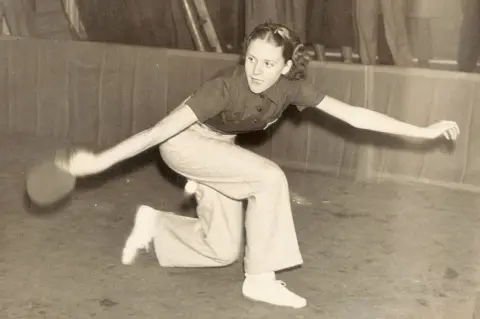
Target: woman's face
(264, 64)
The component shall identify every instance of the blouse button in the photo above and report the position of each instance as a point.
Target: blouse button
(255, 120)
(262, 95)
(259, 109)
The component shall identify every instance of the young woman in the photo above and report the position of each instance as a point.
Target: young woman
(197, 141)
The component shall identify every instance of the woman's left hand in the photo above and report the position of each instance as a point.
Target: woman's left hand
(448, 129)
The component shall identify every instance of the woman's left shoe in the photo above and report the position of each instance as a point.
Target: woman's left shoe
(142, 233)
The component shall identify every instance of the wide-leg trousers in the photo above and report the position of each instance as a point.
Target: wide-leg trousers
(227, 175)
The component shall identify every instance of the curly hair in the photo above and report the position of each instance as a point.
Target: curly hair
(293, 48)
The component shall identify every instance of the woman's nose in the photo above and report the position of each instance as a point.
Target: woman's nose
(258, 69)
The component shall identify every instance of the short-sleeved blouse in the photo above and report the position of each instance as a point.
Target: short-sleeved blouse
(227, 104)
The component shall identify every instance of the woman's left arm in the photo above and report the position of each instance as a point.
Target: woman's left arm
(366, 119)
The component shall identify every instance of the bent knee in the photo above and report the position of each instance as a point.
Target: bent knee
(228, 259)
(228, 255)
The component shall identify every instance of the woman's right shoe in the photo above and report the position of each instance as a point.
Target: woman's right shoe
(265, 288)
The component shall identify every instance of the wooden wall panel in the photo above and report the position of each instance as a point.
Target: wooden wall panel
(4, 85)
(186, 74)
(116, 102)
(422, 98)
(52, 82)
(289, 141)
(212, 65)
(405, 96)
(471, 173)
(149, 88)
(85, 67)
(331, 143)
(184, 77)
(453, 98)
(23, 74)
(98, 93)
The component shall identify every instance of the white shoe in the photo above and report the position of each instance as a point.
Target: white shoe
(269, 290)
(141, 234)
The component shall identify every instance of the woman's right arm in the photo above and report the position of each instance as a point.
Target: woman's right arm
(210, 99)
(83, 163)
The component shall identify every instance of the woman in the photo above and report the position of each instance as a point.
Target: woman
(197, 141)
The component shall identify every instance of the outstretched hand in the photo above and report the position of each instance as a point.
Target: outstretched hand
(80, 163)
(447, 129)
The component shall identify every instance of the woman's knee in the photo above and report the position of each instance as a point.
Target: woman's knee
(227, 252)
(229, 257)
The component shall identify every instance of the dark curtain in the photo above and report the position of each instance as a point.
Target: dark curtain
(158, 23)
(162, 23)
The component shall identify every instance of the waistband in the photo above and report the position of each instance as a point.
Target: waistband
(215, 130)
(212, 132)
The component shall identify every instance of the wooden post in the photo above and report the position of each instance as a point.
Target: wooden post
(207, 24)
(200, 25)
(366, 153)
(193, 25)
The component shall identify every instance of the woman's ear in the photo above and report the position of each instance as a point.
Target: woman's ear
(287, 67)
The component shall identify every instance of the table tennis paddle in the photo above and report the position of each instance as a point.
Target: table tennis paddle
(47, 183)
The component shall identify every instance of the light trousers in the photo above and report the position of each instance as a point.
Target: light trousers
(395, 20)
(330, 22)
(227, 175)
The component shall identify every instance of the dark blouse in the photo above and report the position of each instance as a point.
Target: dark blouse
(226, 103)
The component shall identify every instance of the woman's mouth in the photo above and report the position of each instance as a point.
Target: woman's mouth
(256, 81)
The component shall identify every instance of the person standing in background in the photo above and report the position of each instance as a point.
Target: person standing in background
(288, 12)
(422, 12)
(17, 15)
(395, 20)
(469, 44)
(330, 21)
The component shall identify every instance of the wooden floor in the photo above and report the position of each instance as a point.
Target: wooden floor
(370, 250)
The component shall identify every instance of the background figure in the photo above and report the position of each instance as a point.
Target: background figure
(330, 23)
(421, 13)
(395, 20)
(469, 44)
(17, 15)
(288, 12)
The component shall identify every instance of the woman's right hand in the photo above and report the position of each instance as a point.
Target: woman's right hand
(80, 163)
